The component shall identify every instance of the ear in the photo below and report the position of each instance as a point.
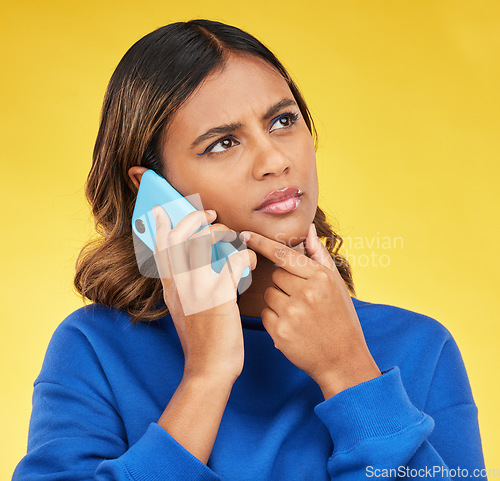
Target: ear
(135, 173)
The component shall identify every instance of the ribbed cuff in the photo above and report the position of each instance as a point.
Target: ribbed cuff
(157, 455)
(373, 408)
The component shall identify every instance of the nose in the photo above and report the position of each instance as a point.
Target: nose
(269, 159)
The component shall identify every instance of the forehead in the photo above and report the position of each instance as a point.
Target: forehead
(247, 85)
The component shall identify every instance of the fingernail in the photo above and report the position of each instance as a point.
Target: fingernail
(315, 232)
(156, 212)
(244, 236)
(212, 212)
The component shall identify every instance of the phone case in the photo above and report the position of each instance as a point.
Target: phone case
(155, 190)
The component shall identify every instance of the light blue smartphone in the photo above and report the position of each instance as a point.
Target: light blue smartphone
(155, 190)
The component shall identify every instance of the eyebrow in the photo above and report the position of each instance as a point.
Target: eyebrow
(231, 127)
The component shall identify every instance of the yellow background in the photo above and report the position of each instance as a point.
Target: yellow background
(405, 96)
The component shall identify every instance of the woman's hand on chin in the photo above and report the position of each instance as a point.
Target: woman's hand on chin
(311, 317)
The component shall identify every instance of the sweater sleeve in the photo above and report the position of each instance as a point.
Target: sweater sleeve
(378, 432)
(76, 432)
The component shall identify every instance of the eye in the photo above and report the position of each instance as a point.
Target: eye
(225, 143)
(289, 117)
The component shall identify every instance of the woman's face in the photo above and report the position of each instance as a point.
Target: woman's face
(233, 170)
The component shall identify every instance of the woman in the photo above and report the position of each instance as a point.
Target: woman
(293, 379)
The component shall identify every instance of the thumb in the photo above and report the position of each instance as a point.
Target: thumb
(316, 250)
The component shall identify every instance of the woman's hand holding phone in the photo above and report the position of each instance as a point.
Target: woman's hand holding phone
(202, 302)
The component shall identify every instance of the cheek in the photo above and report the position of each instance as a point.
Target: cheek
(308, 158)
(218, 195)
(310, 174)
(306, 144)
(312, 152)
(202, 195)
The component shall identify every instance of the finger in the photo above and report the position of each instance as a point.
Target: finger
(288, 283)
(276, 299)
(280, 254)
(269, 321)
(237, 263)
(200, 244)
(316, 250)
(178, 239)
(163, 227)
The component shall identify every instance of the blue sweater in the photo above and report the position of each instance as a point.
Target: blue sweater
(105, 382)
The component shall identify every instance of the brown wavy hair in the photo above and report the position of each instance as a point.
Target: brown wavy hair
(152, 80)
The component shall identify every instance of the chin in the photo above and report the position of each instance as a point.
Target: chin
(291, 239)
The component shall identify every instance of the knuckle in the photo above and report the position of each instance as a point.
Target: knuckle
(292, 311)
(197, 242)
(266, 316)
(275, 276)
(209, 232)
(267, 294)
(218, 226)
(309, 295)
(205, 232)
(268, 321)
(205, 215)
(175, 241)
(172, 237)
(281, 330)
(250, 257)
(324, 274)
(219, 231)
(280, 252)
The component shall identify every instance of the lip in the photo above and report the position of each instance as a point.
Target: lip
(281, 207)
(280, 195)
